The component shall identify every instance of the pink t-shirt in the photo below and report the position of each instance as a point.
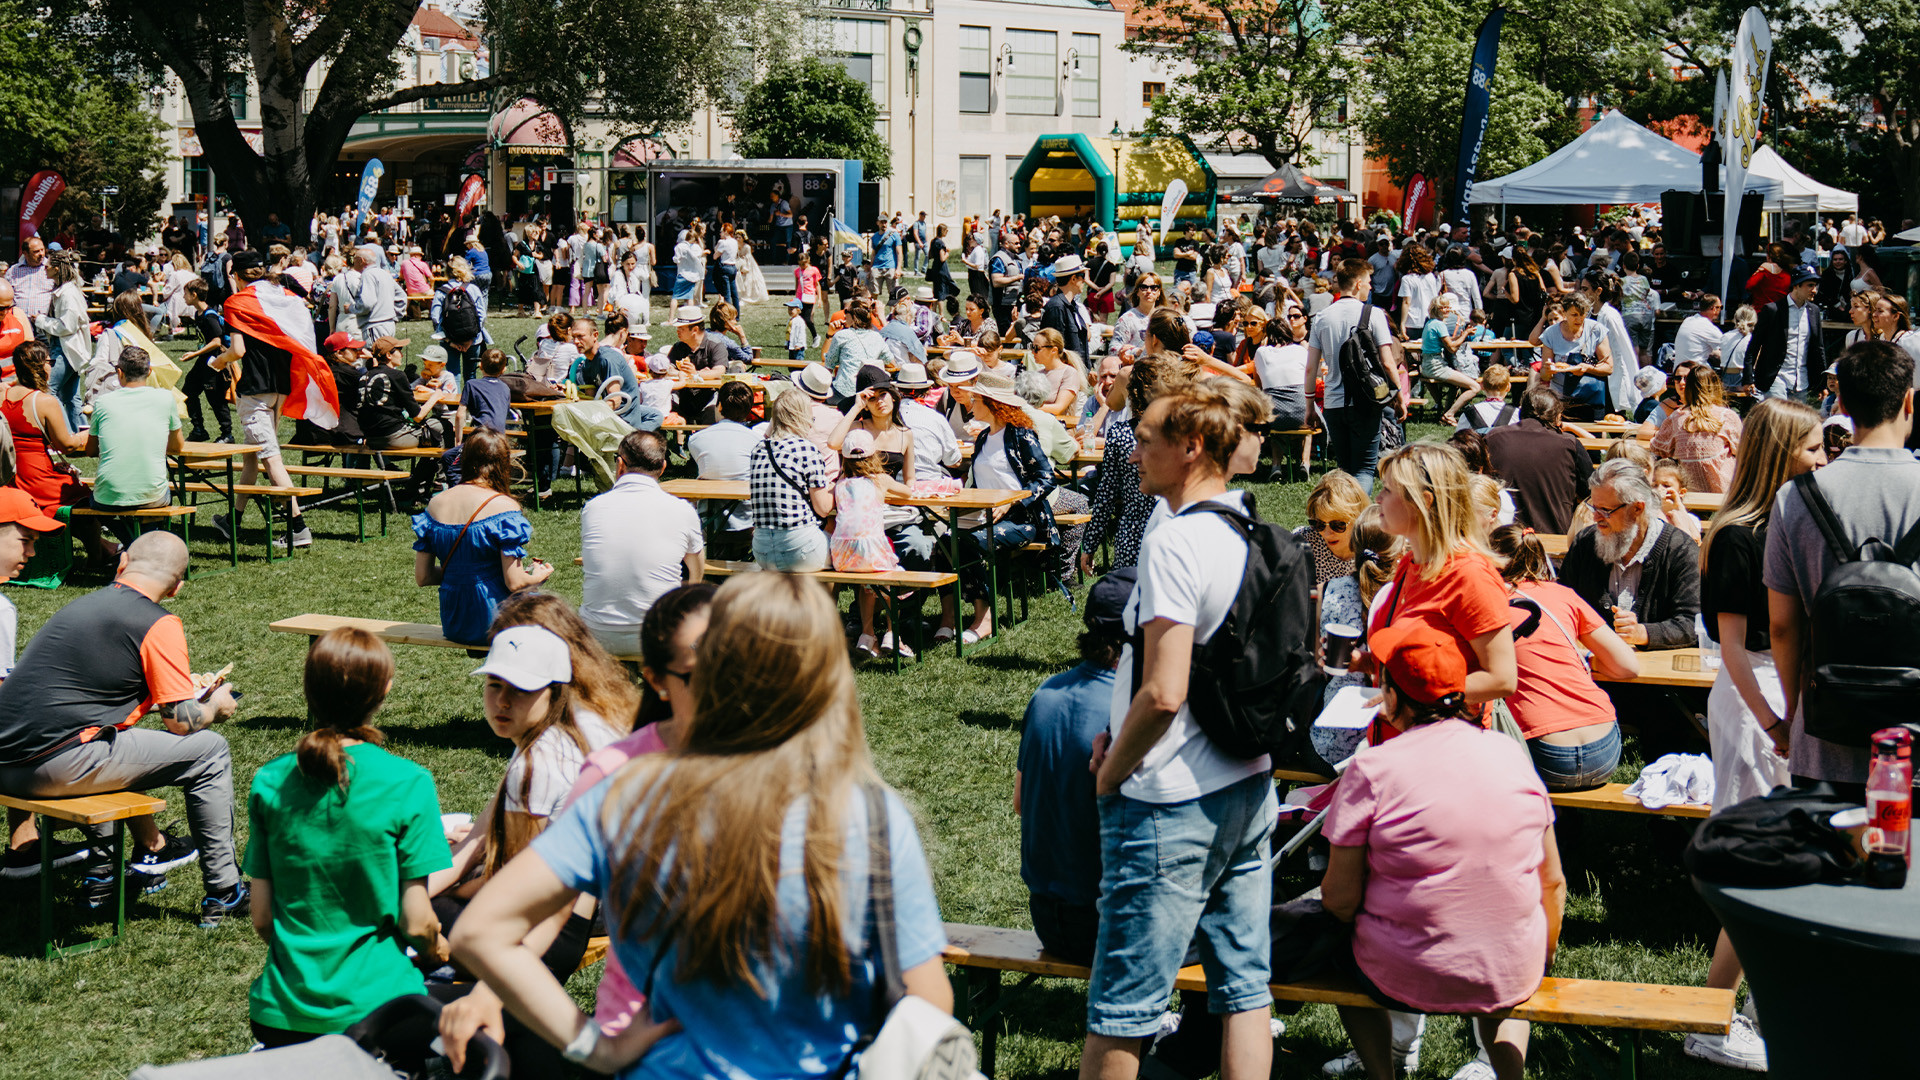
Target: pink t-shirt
(806, 284)
(1451, 817)
(617, 1001)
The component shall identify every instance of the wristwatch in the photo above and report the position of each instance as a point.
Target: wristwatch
(583, 1044)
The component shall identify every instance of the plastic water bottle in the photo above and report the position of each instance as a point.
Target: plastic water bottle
(1709, 648)
(1889, 808)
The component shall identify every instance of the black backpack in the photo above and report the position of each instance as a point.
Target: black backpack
(1362, 373)
(213, 271)
(1864, 630)
(459, 315)
(1253, 687)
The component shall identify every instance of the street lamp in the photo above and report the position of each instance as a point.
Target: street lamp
(1006, 58)
(1071, 65)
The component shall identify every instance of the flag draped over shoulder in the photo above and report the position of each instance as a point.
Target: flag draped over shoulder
(268, 313)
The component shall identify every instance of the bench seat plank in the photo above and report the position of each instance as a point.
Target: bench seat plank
(1609, 797)
(262, 490)
(1586, 1002)
(909, 579)
(149, 512)
(332, 472)
(361, 451)
(90, 809)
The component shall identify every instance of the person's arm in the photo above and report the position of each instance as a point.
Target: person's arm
(418, 924)
(1168, 656)
(1344, 886)
(1499, 674)
(260, 911)
(513, 568)
(489, 940)
(191, 715)
(1786, 622)
(176, 441)
(1613, 659)
(236, 350)
(1733, 636)
(53, 421)
(466, 854)
(426, 569)
(696, 561)
(1553, 891)
(1604, 353)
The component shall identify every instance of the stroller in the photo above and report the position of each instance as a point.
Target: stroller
(392, 1043)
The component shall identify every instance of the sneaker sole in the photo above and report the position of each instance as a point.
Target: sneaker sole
(155, 869)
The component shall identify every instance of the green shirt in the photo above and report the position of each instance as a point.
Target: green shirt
(132, 424)
(336, 859)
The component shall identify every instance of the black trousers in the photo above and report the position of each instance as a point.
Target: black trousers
(205, 382)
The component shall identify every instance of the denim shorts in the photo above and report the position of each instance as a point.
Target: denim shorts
(1577, 768)
(1171, 870)
(794, 551)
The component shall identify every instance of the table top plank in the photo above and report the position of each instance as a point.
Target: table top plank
(1672, 667)
(211, 451)
(91, 809)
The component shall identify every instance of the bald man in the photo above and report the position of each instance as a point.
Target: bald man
(68, 714)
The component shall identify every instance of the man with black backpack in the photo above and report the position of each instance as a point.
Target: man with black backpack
(1845, 609)
(1345, 346)
(1218, 628)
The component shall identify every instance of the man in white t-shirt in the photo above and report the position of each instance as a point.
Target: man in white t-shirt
(1353, 427)
(634, 539)
(1184, 827)
(1698, 338)
(1853, 234)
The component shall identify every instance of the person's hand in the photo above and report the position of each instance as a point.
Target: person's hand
(999, 512)
(457, 834)
(222, 703)
(1101, 743)
(1086, 564)
(1194, 353)
(463, 1018)
(1628, 626)
(540, 571)
(1778, 731)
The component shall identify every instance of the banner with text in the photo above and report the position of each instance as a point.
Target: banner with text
(37, 199)
(1413, 212)
(1473, 118)
(369, 187)
(1747, 92)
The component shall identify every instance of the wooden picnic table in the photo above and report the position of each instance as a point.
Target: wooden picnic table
(201, 452)
(1672, 667)
(1704, 502)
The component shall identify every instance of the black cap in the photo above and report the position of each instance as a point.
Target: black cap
(246, 259)
(1108, 599)
(870, 377)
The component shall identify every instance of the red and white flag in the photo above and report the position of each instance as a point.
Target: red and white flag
(270, 314)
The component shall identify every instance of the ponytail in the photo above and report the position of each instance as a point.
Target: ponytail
(347, 675)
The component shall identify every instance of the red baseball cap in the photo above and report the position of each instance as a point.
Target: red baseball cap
(340, 339)
(18, 508)
(1425, 664)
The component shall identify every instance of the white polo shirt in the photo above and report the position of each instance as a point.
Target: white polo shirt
(632, 541)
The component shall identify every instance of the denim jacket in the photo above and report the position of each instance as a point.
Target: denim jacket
(1031, 464)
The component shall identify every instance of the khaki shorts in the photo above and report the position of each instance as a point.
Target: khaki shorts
(260, 422)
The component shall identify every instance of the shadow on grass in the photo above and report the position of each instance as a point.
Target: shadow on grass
(274, 723)
(1009, 662)
(73, 922)
(454, 733)
(992, 721)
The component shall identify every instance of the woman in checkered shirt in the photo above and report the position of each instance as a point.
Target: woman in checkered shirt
(788, 490)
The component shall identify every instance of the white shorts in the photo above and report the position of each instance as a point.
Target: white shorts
(260, 422)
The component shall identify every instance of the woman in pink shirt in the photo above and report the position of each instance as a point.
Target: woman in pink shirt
(1449, 877)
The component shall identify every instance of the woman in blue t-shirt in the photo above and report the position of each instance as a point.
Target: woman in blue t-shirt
(1578, 358)
(725, 934)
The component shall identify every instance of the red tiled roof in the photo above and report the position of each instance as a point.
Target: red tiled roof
(435, 23)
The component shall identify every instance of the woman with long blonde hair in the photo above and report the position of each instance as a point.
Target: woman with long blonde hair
(726, 931)
(1703, 435)
(1747, 725)
(1448, 577)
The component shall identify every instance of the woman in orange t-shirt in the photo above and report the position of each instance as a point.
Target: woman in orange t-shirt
(1568, 721)
(1448, 578)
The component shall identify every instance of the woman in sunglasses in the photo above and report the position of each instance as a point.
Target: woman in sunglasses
(1130, 332)
(1336, 501)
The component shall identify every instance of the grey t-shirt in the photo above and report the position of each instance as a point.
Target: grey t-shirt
(1331, 329)
(1875, 493)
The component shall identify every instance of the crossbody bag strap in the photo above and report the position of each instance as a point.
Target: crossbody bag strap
(463, 529)
(773, 459)
(1824, 518)
(891, 986)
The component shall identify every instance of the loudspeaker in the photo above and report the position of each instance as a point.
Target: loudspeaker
(1680, 224)
(869, 206)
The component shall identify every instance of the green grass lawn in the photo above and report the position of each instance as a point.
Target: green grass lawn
(944, 732)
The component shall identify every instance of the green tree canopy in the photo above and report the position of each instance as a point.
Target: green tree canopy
(643, 66)
(809, 108)
(57, 114)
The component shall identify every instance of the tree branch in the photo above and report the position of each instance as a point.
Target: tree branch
(340, 21)
(415, 93)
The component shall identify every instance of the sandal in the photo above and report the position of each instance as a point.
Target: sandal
(943, 635)
(865, 647)
(968, 637)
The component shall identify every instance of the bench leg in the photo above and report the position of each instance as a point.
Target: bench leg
(116, 852)
(1591, 1049)
(976, 995)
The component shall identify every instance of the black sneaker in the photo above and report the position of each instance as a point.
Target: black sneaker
(176, 851)
(24, 862)
(216, 910)
(198, 434)
(97, 887)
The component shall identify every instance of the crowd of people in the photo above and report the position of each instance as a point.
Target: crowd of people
(644, 811)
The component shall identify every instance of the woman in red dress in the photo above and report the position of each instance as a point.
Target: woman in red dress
(1771, 282)
(37, 422)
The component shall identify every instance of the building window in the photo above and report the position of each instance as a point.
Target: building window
(1083, 75)
(973, 186)
(860, 45)
(237, 95)
(1151, 92)
(1029, 79)
(976, 76)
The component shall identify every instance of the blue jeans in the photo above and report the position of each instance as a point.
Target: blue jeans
(1006, 536)
(1590, 391)
(799, 550)
(66, 385)
(1353, 438)
(1170, 871)
(1576, 768)
(466, 364)
(730, 284)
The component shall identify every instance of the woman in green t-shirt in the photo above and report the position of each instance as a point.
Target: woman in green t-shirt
(343, 836)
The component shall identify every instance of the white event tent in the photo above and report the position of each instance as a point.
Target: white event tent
(1799, 193)
(1615, 161)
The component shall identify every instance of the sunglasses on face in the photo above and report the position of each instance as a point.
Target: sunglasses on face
(1334, 527)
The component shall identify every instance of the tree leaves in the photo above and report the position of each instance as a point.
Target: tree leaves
(809, 108)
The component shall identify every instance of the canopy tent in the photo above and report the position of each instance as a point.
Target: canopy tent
(1799, 193)
(1291, 187)
(1615, 161)
(1118, 183)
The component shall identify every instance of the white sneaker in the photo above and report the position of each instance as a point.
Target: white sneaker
(1408, 1031)
(887, 645)
(1740, 1048)
(303, 538)
(1475, 1070)
(864, 646)
(1348, 1064)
